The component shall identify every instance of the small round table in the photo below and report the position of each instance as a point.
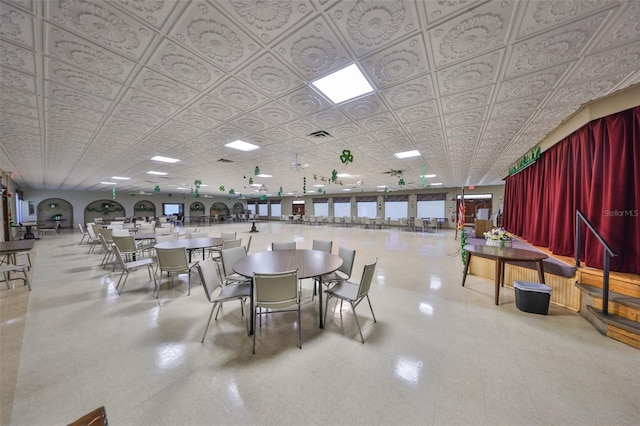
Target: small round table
(192, 244)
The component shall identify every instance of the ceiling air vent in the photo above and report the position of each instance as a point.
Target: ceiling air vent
(224, 160)
(319, 134)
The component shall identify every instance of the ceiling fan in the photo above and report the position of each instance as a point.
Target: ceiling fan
(392, 172)
(299, 166)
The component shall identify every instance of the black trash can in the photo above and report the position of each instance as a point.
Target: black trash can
(532, 297)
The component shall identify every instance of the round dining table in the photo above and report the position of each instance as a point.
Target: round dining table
(192, 244)
(309, 263)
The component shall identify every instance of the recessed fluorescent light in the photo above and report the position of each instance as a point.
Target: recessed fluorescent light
(181, 187)
(344, 175)
(318, 186)
(381, 186)
(407, 154)
(310, 191)
(428, 176)
(347, 189)
(290, 193)
(164, 159)
(436, 184)
(151, 172)
(348, 83)
(256, 185)
(264, 175)
(242, 145)
(120, 178)
(108, 183)
(203, 184)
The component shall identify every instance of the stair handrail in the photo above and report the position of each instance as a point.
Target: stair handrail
(607, 252)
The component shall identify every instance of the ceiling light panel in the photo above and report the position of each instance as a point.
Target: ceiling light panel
(343, 85)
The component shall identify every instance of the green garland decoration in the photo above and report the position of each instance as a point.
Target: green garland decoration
(463, 242)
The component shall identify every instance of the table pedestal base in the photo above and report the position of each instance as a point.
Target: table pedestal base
(253, 227)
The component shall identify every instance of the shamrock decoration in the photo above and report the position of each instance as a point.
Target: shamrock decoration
(256, 171)
(401, 182)
(221, 188)
(334, 175)
(423, 177)
(263, 197)
(250, 181)
(346, 157)
(231, 192)
(197, 183)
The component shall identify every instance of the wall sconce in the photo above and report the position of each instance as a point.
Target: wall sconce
(53, 206)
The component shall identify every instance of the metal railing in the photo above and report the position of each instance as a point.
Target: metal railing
(608, 254)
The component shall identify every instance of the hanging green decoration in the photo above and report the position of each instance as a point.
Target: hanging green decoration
(113, 193)
(463, 242)
(250, 181)
(156, 189)
(401, 182)
(169, 195)
(346, 157)
(191, 191)
(334, 175)
(423, 177)
(263, 197)
(256, 171)
(221, 188)
(197, 183)
(232, 191)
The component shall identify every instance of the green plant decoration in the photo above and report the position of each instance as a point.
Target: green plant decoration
(463, 242)
(346, 156)
(256, 171)
(334, 175)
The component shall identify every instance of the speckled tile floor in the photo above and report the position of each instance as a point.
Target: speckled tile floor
(439, 353)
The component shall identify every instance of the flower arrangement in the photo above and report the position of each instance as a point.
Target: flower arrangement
(498, 234)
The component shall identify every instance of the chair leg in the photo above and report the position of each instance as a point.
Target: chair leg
(371, 307)
(124, 271)
(213, 308)
(357, 322)
(299, 327)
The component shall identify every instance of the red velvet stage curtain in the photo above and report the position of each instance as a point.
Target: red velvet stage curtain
(596, 170)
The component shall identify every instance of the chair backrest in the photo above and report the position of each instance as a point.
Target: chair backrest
(126, 244)
(418, 222)
(120, 232)
(227, 244)
(172, 259)
(107, 234)
(209, 276)
(367, 277)
(276, 290)
(165, 238)
(82, 230)
(228, 235)
(287, 245)
(433, 222)
(91, 231)
(119, 257)
(56, 225)
(248, 243)
(231, 256)
(199, 235)
(322, 245)
(348, 256)
(105, 245)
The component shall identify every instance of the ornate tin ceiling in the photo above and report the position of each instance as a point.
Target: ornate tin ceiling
(94, 89)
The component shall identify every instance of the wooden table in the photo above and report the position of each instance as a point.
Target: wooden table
(9, 249)
(309, 263)
(28, 233)
(501, 256)
(192, 244)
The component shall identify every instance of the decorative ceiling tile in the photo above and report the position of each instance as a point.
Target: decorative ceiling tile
(162, 87)
(622, 60)
(68, 48)
(152, 12)
(406, 94)
(314, 50)
(519, 106)
(17, 80)
(346, 131)
(267, 20)
(17, 58)
(367, 25)
(469, 75)
(378, 122)
(363, 107)
(418, 112)
(16, 26)
(213, 108)
(19, 120)
(405, 60)
(277, 134)
(147, 103)
(436, 10)
(541, 15)
(305, 101)
(136, 115)
(553, 47)
(80, 114)
(102, 24)
(483, 28)
(468, 100)
(274, 113)
(76, 98)
(250, 123)
(423, 126)
(238, 94)
(625, 29)
(270, 75)
(18, 96)
(17, 109)
(183, 66)
(465, 117)
(301, 127)
(196, 120)
(203, 28)
(540, 81)
(582, 92)
(329, 118)
(80, 80)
